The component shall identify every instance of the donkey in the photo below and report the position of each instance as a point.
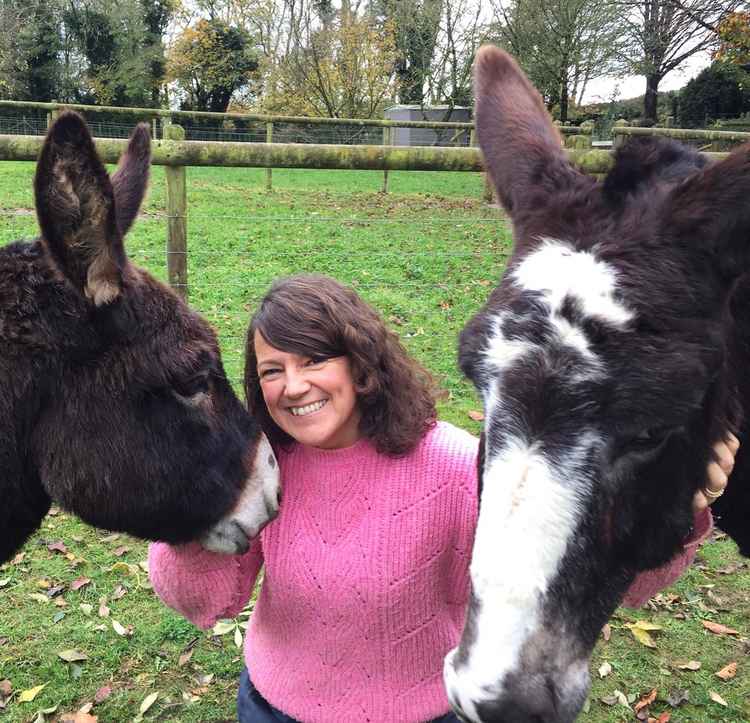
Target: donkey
(113, 399)
(609, 359)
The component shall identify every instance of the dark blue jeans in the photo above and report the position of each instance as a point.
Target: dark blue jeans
(252, 707)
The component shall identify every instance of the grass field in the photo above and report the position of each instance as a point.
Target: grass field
(426, 255)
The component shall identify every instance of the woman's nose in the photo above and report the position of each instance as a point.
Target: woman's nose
(296, 384)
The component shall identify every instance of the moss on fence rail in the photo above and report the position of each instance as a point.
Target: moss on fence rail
(293, 155)
(683, 133)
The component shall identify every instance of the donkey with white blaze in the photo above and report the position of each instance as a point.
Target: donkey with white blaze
(113, 399)
(610, 359)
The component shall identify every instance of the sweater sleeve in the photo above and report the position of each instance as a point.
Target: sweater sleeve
(650, 582)
(200, 585)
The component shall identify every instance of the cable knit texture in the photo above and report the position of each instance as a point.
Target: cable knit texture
(365, 584)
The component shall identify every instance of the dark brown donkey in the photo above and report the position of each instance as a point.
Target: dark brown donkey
(113, 399)
(611, 357)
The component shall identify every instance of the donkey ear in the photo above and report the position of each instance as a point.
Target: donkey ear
(130, 180)
(75, 206)
(522, 149)
(711, 208)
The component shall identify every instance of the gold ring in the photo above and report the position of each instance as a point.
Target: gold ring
(711, 494)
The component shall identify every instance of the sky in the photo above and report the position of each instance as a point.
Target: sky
(631, 86)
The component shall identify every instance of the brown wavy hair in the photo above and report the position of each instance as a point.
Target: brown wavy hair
(316, 316)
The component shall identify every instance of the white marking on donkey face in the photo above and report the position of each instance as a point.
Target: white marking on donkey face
(528, 515)
(257, 506)
(557, 270)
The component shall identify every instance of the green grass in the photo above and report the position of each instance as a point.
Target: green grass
(426, 255)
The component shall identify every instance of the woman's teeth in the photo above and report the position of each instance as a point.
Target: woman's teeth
(307, 409)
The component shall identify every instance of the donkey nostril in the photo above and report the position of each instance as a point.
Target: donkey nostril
(271, 461)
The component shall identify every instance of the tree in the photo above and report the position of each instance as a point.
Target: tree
(30, 47)
(416, 24)
(665, 33)
(209, 62)
(561, 44)
(342, 68)
(718, 91)
(734, 39)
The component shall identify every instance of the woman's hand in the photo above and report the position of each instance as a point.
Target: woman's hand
(718, 473)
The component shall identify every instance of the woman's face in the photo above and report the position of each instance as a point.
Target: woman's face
(312, 400)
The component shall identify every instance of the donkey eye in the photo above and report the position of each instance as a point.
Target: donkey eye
(192, 386)
(650, 439)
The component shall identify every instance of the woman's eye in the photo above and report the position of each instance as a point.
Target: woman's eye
(192, 386)
(268, 373)
(315, 361)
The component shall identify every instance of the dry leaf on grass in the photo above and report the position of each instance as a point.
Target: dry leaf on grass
(647, 700)
(79, 583)
(718, 628)
(727, 672)
(641, 632)
(690, 665)
(476, 416)
(28, 695)
(716, 698)
(102, 694)
(78, 718)
(72, 656)
(604, 670)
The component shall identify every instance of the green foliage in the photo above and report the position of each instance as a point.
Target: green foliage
(721, 90)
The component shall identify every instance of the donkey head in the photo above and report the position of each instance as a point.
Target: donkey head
(604, 363)
(135, 426)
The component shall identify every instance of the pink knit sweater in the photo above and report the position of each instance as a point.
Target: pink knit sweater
(365, 584)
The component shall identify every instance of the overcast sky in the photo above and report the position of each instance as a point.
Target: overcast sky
(600, 91)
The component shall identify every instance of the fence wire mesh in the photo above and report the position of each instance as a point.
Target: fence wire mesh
(425, 255)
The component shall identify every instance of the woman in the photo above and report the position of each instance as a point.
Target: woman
(366, 567)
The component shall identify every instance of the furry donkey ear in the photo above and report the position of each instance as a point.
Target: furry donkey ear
(75, 207)
(130, 180)
(522, 149)
(710, 210)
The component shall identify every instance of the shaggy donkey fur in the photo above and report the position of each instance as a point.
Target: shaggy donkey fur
(113, 400)
(610, 359)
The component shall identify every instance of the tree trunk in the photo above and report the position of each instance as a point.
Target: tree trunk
(564, 100)
(650, 99)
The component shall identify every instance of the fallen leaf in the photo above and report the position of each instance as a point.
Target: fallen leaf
(148, 701)
(39, 597)
(476, 416)
(110, 538)
(103, 609)
(716, 698)
(58, 546)
(204, 679)
(606, 632)
(647, 700)
(41, 716)
(28, 695)
(223, 627)
(727, 672)
(119, 592)
(4, 582)
(120, 551)
(79, 583)
(60, 602)
(5, 688)
(44, 584)
(238, 637)
(616, 697)
(102, 694)
(78, 718)
(18, 558)
(185, 658)
(86, 708)
(86, 608)
(121, 629)
(189, 697)
(604, 670)
(71, 656)
(641, 630)
(55, 591)
(690, 665)
(718, 628)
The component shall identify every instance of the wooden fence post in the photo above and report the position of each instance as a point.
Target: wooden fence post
(177, 265)
(52, 117)
(387, 140)
(489, 191)
(269, 171)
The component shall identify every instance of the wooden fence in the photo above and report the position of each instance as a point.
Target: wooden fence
(176, 154)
